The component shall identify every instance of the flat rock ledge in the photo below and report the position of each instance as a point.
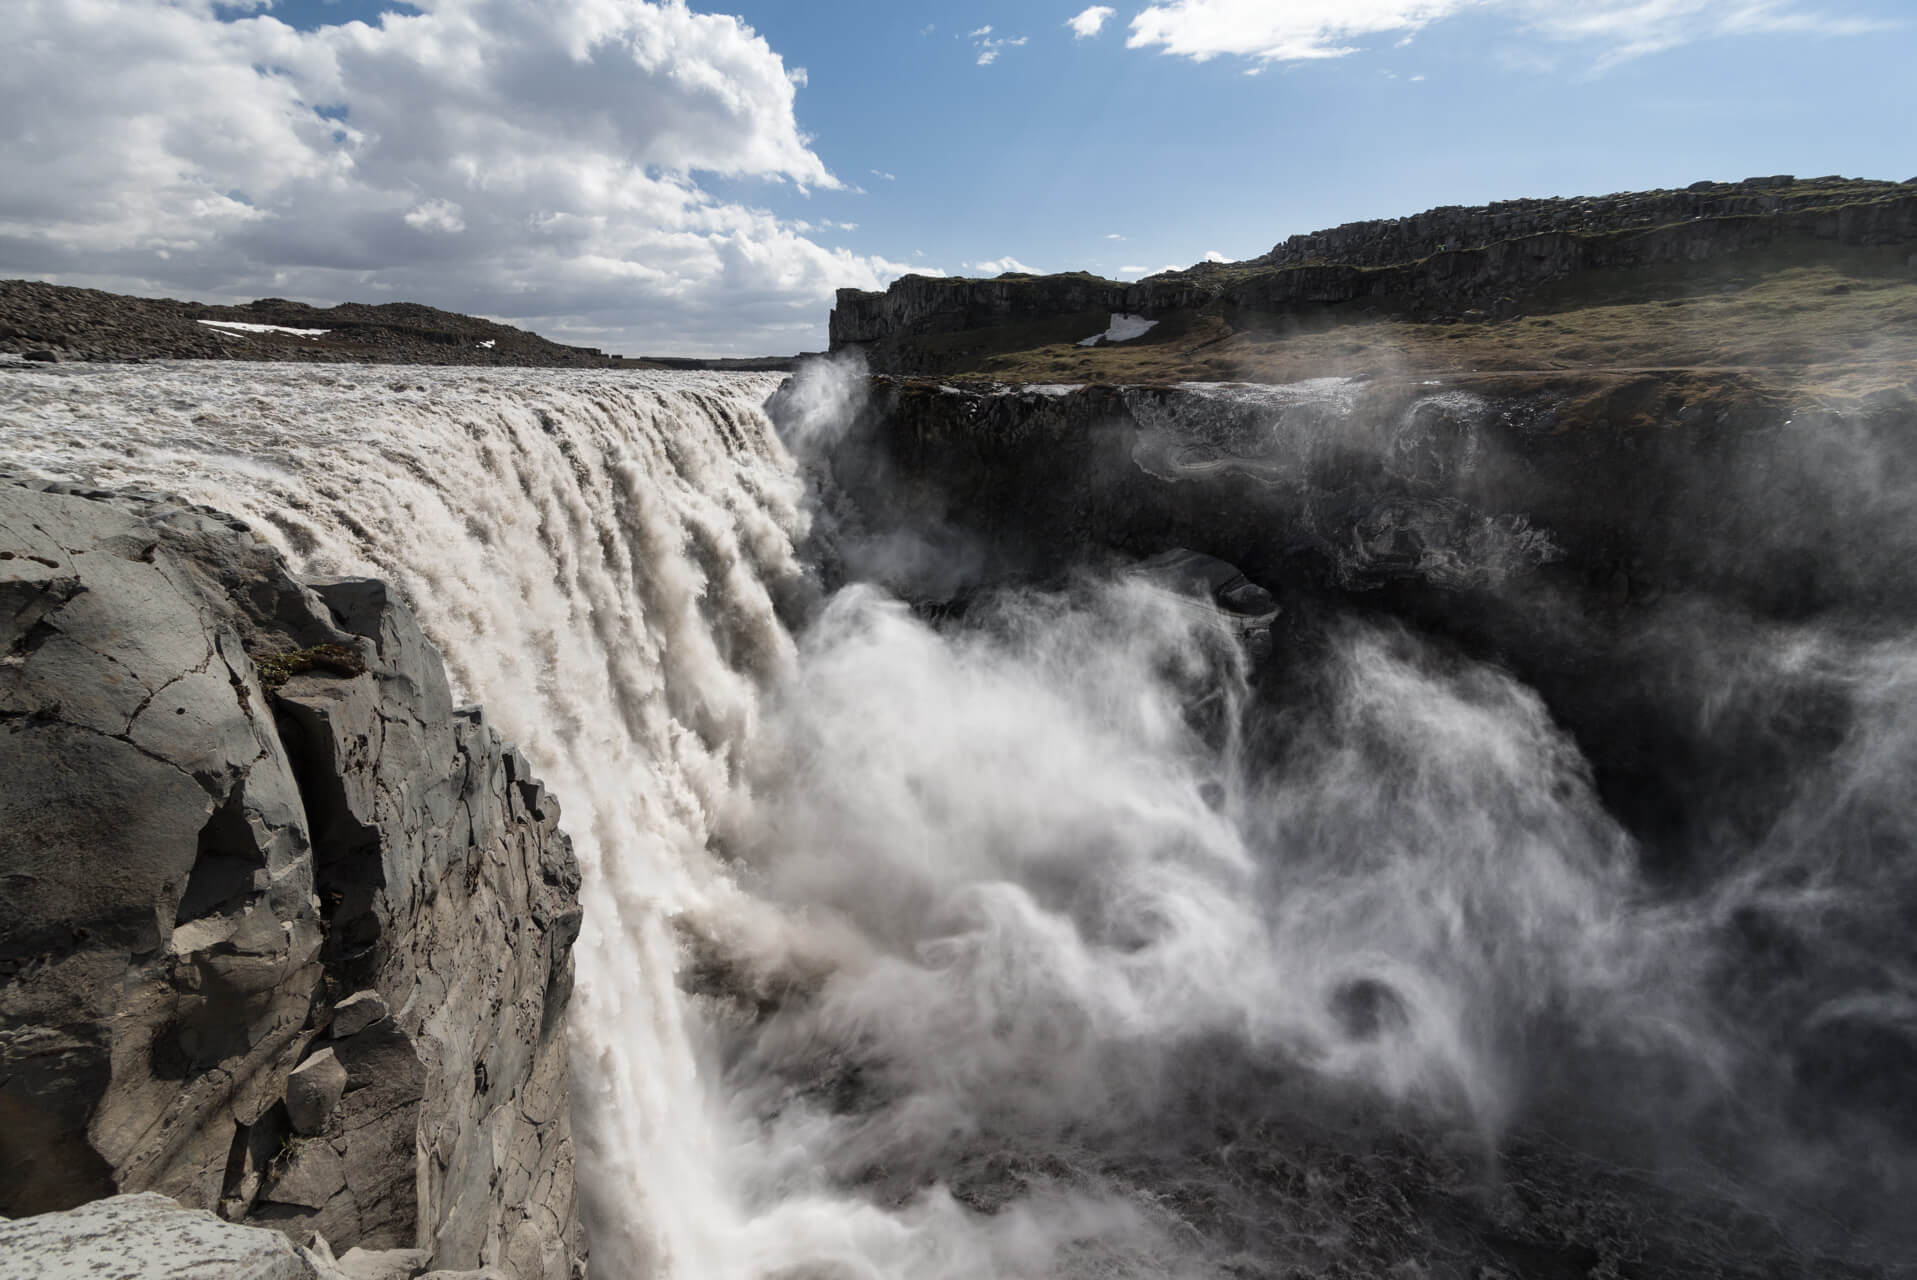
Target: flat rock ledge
(284, 935)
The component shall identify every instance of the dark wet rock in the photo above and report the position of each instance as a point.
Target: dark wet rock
(40, 355)
(1241, 607)
(195, 863)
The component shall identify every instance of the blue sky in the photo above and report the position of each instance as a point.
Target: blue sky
(1061, 142)
(675, 184)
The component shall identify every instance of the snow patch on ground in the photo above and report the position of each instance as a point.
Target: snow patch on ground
(243, 326)
(1124, 329)
(488, 344)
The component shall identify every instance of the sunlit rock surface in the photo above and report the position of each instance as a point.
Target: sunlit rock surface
(234, 801)
(145, 1237)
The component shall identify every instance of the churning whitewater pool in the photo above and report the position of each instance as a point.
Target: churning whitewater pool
(1049, 942)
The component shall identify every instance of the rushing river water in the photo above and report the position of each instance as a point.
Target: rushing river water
(1047, 942)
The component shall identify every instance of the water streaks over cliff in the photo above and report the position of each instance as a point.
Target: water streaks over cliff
(1045, 940)
(592, 556)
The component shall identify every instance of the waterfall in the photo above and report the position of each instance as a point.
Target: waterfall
(597, 558)
(1048, 942)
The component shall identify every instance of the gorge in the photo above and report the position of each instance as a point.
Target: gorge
(1410, 811)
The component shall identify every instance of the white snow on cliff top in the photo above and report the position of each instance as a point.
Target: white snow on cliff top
(244, 326)
(1124, 329)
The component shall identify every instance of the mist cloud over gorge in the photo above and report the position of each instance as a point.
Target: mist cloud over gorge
(538, 161)
(1062, 931)
(1070, 900)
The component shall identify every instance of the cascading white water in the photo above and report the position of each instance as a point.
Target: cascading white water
(947, 953)
(593, 556)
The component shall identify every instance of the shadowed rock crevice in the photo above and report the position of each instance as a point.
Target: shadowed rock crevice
(224, 877)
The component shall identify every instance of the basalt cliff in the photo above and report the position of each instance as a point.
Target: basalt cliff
(1449, 266)
(286, 935)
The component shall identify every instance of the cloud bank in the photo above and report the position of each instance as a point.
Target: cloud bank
(1307, 29)
(549, 164)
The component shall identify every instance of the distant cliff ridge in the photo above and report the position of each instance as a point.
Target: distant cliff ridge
(51, 323)
(1447, 263)
(1383, 242)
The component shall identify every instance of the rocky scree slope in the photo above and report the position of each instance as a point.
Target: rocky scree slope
(284, 933)
(1444, 265)
(55, 322)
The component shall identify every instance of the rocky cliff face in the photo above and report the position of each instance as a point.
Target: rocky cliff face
(1388, 241)
(1443, 263)
(284, 933)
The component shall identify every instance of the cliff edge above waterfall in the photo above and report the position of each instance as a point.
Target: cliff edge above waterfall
(1520, 285)
(285, 935)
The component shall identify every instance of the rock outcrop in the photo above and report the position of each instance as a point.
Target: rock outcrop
(284, 934)
(1446, 263)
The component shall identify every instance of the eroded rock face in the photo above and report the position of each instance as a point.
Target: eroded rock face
(198, 870)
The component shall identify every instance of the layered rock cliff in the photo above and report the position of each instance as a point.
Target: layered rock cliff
(285, 933)
(1471, 263)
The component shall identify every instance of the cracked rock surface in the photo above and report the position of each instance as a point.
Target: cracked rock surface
(195, 873)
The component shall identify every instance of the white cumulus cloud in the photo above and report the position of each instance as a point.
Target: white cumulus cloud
(999, 266)
(1091, 21)
(1305, 29)
(541, 163)
(437, 215)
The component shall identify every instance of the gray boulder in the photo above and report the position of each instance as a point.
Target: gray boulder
(312, 1091)
(357, 1012)
(144, 1237)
